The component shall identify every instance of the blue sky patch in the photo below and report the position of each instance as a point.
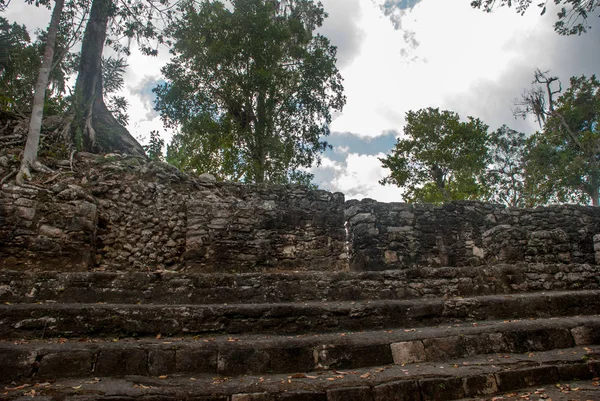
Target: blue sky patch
(347, 142)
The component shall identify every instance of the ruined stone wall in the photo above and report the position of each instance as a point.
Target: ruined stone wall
(120, 213)
(52, 228)
(265, 227)
(386, 236)
(115, 212)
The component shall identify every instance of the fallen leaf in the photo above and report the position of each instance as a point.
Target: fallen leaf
(297, 376)
(366, 375)
(17, 388)
(77, 387)
(162, 377)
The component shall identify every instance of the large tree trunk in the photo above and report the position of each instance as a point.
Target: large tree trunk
(29, 160)
(95, 129)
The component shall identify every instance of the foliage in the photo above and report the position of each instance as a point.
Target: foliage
(113, 70)
(20, 61)
(155, 147)
(563, 161)
(572, 17)
(251, 88)
(504, 177)
(440, 158)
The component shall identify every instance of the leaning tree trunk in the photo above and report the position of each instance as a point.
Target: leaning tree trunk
(95, 129)
(29, 160)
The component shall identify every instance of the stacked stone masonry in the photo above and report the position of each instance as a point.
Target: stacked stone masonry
(384, 236)
(117, 212)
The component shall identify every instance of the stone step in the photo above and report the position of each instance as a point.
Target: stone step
(479, 376)
(55, 319)
(188, 288)
(226, 355)
(565, 390)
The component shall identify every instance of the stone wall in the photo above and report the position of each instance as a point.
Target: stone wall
(265, 227)
(117, 212)
(52, 228)
(386, 236)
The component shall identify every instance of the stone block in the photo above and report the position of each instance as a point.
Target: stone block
(437, 349)
(344, 357)
(25, 213)
(65, 363)
(574, 371)
(515, 379)
(480, 385)
(189, 360)
(15, 364)
(397, 391)
(242, 361)
(161, 362)
(408, 352)
(118, 362)
(362, 393)
(289, 360)
(438, 389)
(584, 335)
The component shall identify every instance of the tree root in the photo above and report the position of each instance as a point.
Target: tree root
(71, 159)
(40, 168)
(7, 177)
(49, 180)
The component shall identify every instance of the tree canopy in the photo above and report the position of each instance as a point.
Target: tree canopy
(20, 61)
(563, 160)
(439, 158)
(251, 88)
(572, 17)
(504, 178)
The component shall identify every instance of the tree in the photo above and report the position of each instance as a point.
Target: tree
(21, 61)
(154, 149)
(29, 160)
(251, 88)
(563, 160)
(504, 178)
(572, 17)
(440, 158)
(94, 126)
(538, 101)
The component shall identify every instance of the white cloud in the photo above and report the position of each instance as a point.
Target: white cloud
(357, 177)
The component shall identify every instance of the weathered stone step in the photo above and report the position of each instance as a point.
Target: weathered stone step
(187, 288)
(565, 390)
(84, 357)
(52, 319)
(454, 379)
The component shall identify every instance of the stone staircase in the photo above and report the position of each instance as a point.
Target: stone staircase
(414, 334)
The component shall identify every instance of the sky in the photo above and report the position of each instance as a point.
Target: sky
(418, 54)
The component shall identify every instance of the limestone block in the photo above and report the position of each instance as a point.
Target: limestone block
(408, 352)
